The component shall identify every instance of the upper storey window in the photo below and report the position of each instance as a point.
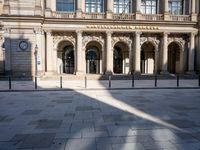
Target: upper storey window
(122, 6)
(149, 6)
(65, 5)
(94, 6)
(176, 7)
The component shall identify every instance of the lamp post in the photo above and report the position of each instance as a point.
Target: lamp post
(35, 54)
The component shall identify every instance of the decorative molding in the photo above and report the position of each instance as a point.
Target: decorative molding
(59, 36)
(180, 40)
(120, 37)
(154, 40)
(89, 37)
(122, 27)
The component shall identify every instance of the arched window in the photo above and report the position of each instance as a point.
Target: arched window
(176, 7)
(122, 6)
(65, 5)
(149, 6)
(94, 6)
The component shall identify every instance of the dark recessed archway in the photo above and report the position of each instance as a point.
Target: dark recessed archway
(147, 58)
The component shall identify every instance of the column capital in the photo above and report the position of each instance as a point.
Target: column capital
(109, 33)
(79, 32)
(166, 33)
(137, 33)
(48, 32)
(193, 34)
(37, 30)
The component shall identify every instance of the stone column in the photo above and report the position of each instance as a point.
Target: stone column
(156, 61)
(48, 11)
(165, 53)
(83, 5)
(49, 52)
(137, 53)
(193, 11)
(193, 6)
(79, 10)
(79, 53)
(110, 6)
(166, 10)
(191, 53)
(7, 44)
(130, 59)
(38, 37)
(109, 53)
(138, 11)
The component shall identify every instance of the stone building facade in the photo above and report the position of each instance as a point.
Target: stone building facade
(99, 37)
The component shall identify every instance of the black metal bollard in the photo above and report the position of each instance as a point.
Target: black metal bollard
(156, 79)
(133, 81)
(85, 81)
(177, 80)
(61, 82)
(9, 80)
(109, 81)
(35, 82)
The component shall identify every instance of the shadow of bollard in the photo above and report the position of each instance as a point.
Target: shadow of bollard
(133, 81)
(156, 79)
(61, 82)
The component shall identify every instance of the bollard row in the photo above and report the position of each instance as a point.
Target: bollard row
(109, 81)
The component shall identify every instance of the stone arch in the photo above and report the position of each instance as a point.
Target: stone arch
(153, 41)
(121, 63)
(126, 40)
(93, 57)
(66, 61)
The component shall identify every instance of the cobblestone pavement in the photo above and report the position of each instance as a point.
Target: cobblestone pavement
(161, 119)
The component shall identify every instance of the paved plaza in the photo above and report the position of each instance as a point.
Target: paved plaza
(151, 119)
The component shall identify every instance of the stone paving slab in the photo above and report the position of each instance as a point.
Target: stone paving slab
(162, 119)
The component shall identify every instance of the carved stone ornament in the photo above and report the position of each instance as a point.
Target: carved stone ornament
(180, 40)
(58, 37)
(120, 37)
(154, 40)
(89, 37)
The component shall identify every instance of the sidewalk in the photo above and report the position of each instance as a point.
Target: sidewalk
(97, 84)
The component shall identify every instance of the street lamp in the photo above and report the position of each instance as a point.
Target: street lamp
(35, 54)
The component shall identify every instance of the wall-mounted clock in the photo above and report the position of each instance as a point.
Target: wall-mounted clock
(23, 45)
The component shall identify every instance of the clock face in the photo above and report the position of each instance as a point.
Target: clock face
(23, 45)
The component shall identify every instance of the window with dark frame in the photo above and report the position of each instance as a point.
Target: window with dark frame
(149, 6)
(122, 6)
(65, 5)
(175, 7)
(94, 6)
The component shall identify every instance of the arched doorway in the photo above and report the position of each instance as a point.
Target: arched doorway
(68, 60)
(121, 58)
(92, 60)
(147, 58)
(173, 58)
(65, 57)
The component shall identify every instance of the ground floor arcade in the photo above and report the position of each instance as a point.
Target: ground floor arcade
(119, 53)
